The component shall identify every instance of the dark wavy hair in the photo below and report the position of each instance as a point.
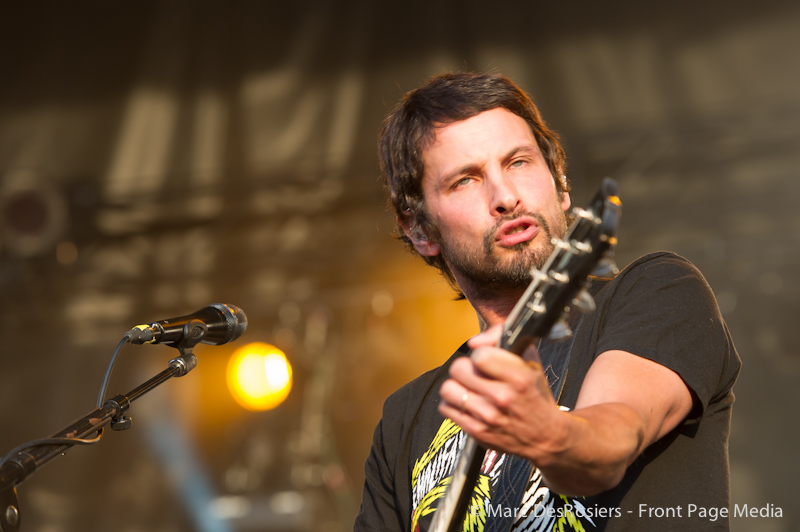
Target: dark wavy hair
(410, 128)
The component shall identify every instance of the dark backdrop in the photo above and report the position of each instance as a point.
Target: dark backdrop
(159, 156)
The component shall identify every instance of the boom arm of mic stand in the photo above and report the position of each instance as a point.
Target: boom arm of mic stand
(25, 462)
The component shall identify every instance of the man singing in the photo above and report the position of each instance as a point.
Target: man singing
(637, 438)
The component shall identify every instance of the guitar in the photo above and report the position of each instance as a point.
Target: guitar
(560, 285)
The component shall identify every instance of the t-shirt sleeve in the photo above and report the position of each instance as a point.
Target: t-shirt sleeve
(662, 309)
(378, 510)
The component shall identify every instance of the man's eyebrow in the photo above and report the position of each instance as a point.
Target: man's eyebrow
(524, 149)
(467, 169)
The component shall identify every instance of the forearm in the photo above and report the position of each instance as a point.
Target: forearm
(595, 445)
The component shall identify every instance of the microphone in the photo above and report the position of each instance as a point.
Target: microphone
(223, 324)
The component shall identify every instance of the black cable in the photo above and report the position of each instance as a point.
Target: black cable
(101, 397)
(74, 441)
(50, 441)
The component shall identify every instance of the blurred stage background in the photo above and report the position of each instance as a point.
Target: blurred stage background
(156, 157)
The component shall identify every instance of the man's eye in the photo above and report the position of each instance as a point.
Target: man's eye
(463, 181)
(518, 163)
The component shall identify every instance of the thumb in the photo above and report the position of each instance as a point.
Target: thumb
(489, 337)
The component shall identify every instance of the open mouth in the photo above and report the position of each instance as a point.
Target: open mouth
(516, 231)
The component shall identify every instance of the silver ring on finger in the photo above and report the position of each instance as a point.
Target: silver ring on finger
(462, 407)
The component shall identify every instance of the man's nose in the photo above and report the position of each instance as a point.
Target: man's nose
(505, 197)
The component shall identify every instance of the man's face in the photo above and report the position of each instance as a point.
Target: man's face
(491, 195)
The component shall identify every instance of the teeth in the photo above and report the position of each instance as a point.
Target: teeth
(517, 229)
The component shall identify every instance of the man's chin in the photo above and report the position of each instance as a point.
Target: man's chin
(520, 262)
(511, 275)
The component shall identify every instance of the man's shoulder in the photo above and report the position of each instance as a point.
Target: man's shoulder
(658, 282)
(409, 396)
(666, 261)
(657, 270)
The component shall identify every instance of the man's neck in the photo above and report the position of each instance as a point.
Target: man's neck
(491, 307)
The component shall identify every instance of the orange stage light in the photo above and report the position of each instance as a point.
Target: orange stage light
(259, 376)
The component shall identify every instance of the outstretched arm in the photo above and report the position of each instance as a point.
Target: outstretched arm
(625, 404)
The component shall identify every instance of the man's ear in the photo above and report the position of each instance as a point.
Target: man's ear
(565, 201)
(420, 241)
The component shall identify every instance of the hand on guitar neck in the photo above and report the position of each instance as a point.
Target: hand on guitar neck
(504, 402)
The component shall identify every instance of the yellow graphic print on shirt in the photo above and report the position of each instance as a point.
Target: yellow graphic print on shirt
(540, 510)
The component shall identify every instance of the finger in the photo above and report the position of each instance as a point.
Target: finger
(471, 425)
(531, 354)
(470, 411)
(466, 402)
(500, 375)
(454, 394)
(498, 364)
(494, 398)
(466, 373)
(486, 338)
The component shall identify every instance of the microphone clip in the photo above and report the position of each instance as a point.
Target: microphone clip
(193, 333)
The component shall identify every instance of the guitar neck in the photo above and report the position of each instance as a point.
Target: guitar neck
(450, 514)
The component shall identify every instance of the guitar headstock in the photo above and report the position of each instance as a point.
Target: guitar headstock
(586, 249)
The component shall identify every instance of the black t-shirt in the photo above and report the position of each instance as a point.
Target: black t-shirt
(660, 308)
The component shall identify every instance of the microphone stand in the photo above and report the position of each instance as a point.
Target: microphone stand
(25, 462)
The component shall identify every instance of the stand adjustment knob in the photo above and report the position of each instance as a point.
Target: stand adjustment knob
(121, 423)
(12, 515)
(9, 511)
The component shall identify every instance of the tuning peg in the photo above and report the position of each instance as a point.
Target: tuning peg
(560, 331)
(605, 267)
(584, 302)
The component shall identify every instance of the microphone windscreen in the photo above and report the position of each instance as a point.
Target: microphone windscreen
(236, 321)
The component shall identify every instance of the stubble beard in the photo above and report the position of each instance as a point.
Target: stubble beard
(489, 275)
